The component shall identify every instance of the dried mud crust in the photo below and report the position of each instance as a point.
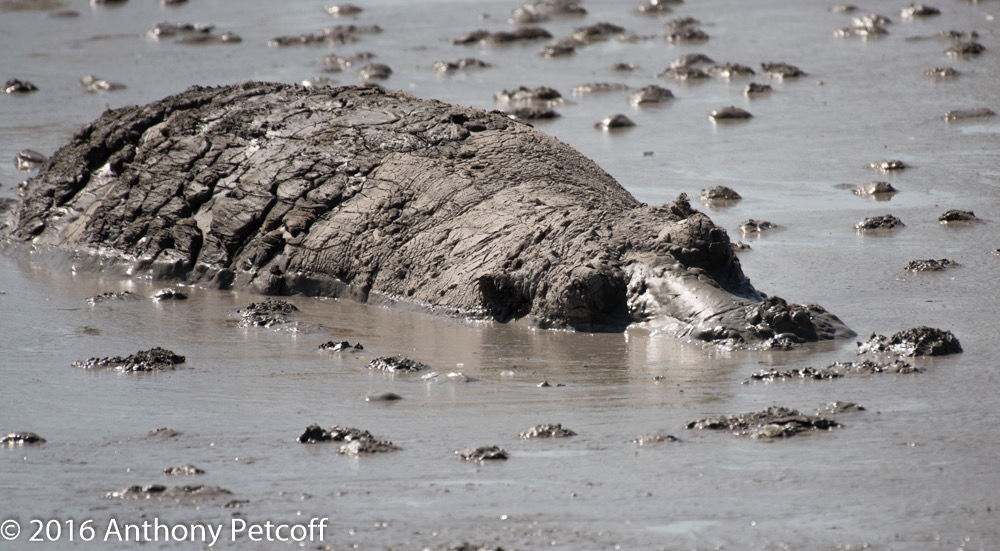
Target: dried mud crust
(381, 197)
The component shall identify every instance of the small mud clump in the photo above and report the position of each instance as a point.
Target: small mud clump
(163, 432)
(769, 375)
(374, 71)
(719, 193)
(547, 431)
(183, 470)
(730, 113)
(887, 165)
(930, 265)
(614, 122)
(685, 73)
(732, 70)
(315, 434)
(681, 23)
(503, 37)
(774, 319)
(340, 346)
(919, 10)
(782, 70)
(598, 87)
(527, 96)
(874, 188)
(482, 453)
(690, 60)
(533, 113)
(176, 493)
(383, 397)
(649, 95)
(15, 86)
(20, 439)
(873, 367)
(835, 408)
(756, 226)
(393, 364)
(366, 446)
(449, 377)
(687, 35)
(862, 30)
(449, 67)
(169, 293)
(756, 89)
(884, 222)
(358, 441)
(29, 159)
(919, 341)
(597, 32)
(965, 49)
(93, 85)
(655, 438)
(655, 7)
(343, 9)
(336, 35)
(266, 313)
(109, 296)
(464, 546)
(154, 359)
(769, 424)
(955, 215)
(963, 114)
(560, 48)
(941, 73)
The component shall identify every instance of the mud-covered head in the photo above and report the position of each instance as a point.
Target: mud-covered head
(583, 271)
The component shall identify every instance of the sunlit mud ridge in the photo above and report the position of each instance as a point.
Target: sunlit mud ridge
(388, 199)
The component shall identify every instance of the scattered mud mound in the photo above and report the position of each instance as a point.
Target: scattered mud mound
(919, 341)
(771, 423)
(154, 359)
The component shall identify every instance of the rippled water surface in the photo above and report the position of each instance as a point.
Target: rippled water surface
(916, 470)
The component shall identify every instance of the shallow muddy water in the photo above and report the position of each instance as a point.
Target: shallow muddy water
(916, 470)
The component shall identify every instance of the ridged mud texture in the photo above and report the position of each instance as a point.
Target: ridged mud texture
(386, 198)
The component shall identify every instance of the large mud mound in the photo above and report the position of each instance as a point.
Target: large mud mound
(383, 197)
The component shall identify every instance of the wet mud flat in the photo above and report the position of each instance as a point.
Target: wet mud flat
(913, 469)
(626, 422)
